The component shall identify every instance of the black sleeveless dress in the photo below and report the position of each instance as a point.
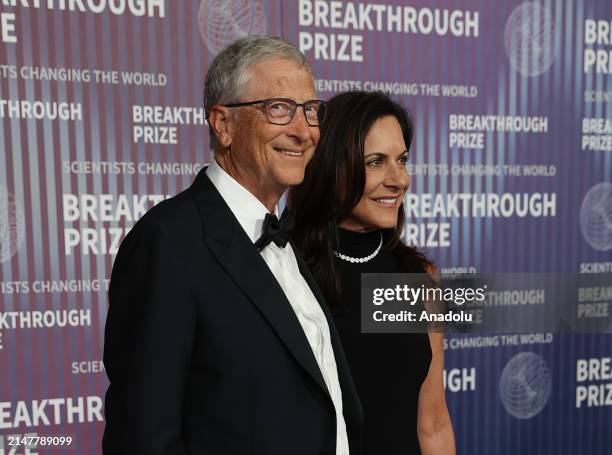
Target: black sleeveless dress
(388, 369)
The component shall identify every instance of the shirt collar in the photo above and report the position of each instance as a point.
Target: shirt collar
(248, 210)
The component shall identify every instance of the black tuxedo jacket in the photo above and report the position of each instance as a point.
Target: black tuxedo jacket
(203, 351)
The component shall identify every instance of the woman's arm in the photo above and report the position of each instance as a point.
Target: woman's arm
(434, 426)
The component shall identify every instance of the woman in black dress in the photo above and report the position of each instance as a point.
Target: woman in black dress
(349, 221)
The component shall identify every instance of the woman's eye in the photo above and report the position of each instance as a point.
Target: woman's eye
(375, 162)
(403, 160)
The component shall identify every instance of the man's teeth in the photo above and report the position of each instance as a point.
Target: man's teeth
(287, 152)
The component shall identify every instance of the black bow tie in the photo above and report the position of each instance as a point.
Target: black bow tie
(275, 230)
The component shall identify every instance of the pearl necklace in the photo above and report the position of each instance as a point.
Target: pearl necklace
(344, 257)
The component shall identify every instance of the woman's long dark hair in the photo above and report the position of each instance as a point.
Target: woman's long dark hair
(334, 182)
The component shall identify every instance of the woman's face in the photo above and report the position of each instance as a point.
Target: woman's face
(386, 178)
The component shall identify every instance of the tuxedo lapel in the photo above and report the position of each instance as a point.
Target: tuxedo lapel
(314, 287)
(238, 256)
(349, 392)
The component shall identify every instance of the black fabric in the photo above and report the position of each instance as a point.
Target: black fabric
(388, 369)
(203, 351)
(275, 230)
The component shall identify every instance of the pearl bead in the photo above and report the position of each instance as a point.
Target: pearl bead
(353, 260)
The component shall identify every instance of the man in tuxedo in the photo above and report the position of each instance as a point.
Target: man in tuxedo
(218, 341)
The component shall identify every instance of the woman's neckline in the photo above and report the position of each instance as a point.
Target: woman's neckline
(358, 244)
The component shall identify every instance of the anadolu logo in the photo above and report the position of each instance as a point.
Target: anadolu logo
(224, 21)
(525, 385)
(529, 39)
(12, 225)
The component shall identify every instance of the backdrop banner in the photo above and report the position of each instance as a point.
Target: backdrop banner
(102, 118)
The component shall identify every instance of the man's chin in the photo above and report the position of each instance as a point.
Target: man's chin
(291, 178)
(293, 182)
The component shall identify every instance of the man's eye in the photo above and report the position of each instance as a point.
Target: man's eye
(279, 107)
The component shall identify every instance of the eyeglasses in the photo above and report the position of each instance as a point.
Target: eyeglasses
(280, 111)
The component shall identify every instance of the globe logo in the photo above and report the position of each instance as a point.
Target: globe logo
(12, 225)
(596, 216)
(224, 21)
(529, 39)
(525, 385)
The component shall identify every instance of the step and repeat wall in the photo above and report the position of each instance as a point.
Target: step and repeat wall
(102, 118)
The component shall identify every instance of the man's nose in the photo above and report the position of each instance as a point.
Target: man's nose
(298, 127)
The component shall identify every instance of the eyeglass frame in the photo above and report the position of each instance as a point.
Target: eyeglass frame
(286, 100)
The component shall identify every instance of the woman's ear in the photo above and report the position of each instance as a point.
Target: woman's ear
(220, 120)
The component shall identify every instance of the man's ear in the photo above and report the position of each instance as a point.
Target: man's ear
(220, 120)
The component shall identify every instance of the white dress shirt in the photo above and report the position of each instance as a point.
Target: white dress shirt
(250, 213)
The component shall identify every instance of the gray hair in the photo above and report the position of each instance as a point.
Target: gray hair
(229, 73)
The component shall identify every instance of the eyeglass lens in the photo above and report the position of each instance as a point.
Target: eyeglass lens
(282, 111)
